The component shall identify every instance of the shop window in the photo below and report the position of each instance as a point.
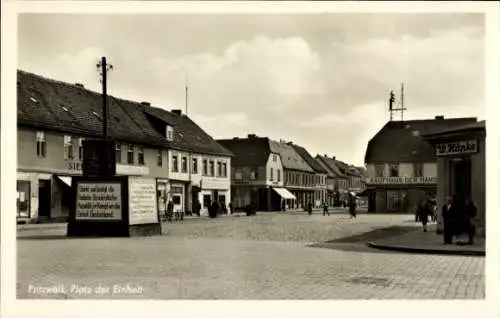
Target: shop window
(175, 164)
(118, 153)
(176, 199)
(394, 170)
(159, 158)
(41, 144)
(379, 170)
(130, 154)
(68, 147)
(140, 156)
(195, 165)
(205, 167)
(184, 165)
(207, 200)
(23, 199)
(418, 169)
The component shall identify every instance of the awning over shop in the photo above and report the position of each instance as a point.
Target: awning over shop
(66, 180)
(284, 193)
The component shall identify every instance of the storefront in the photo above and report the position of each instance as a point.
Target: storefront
(462, 167)
(398, 194)
(214, 190)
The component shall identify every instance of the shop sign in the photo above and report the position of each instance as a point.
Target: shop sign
(456, 148)
(174, 189)
(142, 201)
(98, 201)
(402, 180)
(75, 166)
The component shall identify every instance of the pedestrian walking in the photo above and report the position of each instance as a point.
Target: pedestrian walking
(424, 210)
(230, 207)
(214, 209)
(352, 205)
(447, 221)
(170, 210)
(309, 208)
(198, 207)
(325, 208)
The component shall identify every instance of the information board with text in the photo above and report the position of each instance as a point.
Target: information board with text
(98, 201)
(142, 201)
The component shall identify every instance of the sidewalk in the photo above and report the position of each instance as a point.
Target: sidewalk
(428, 242)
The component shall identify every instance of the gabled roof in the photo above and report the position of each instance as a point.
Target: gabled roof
(57, 106)
(248, 152)
(331, 164)
(329, 172)
(188, 136)
(346, 169)
(309, 159)
(401, 141)
(290, 158)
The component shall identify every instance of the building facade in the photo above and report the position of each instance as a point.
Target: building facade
(199, 167)
(401, 168)
(319, 178)
(340, 179)
(299, 177)
(53, 120)
(461, 168)
(257, 174)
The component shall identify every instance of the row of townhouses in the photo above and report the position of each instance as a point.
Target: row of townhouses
(277, 175)
(53, 119)
(189, 165)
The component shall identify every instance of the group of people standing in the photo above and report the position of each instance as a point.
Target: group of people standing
(457, 212)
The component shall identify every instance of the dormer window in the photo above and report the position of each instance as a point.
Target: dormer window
(170, 133)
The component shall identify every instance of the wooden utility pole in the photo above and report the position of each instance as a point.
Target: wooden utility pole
(104, 68)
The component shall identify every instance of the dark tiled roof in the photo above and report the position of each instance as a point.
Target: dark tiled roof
(329, 172)
(309, 159)
(401, 141)
(346, 169)
(248, 152)
(290, 158)
(57, 106)
(188, 136)
(330, 163)
(480, 125)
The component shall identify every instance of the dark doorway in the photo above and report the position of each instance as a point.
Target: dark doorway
(44, 199)
(372, 201)
(262, 199)
(195, 192)
(461, 177)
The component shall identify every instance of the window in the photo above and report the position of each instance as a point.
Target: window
(170, 133)
(130, 154)
(118, 153)
(195, 165)
(140, 155)
(275, 158)
(159, 158)
(68, 147)
(278, 172)
(184, 164)
(211, 168)
(271, 174)
(394, 170)
(205, 167)
(238, 175)
(175, 164)
(253, 175)
(80, 148)
(219, 169)
(379, 170)
(224, 169)
(41, 144)
(418, 169)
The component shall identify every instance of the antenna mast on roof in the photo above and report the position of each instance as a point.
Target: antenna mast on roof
(392, 100)
(186, 85)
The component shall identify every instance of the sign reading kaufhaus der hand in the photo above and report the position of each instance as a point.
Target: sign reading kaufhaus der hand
(456, 148)
(401, 180)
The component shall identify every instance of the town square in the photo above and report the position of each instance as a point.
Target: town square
(250, 156)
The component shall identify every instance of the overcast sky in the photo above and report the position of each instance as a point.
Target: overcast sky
(319, 80)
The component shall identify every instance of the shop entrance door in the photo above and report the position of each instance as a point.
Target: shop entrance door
(394, 201)
(461, 178)
(44, 199)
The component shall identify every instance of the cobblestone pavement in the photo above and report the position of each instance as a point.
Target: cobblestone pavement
(262, 257)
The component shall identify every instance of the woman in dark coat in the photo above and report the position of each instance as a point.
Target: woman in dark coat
(423, 213)
(447, 221)
(470, 213)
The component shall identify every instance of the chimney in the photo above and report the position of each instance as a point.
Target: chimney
(146, 103)
(251, 136)
(289, 143)
(79, 85)
(439, 117)
(177, 111)
(333, 157)
(326, 156)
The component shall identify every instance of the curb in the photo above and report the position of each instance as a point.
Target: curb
(424, 250)
(38, 228)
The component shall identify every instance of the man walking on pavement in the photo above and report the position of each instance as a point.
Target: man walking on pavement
(325, 208)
